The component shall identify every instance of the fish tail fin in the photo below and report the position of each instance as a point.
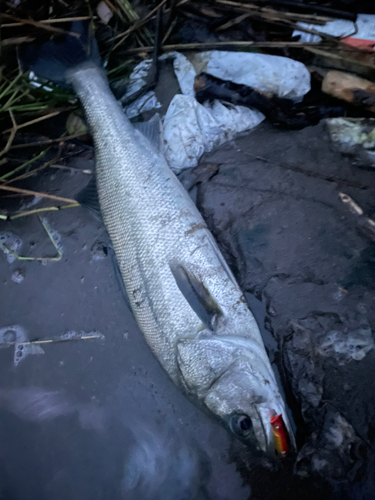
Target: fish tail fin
(51, 60)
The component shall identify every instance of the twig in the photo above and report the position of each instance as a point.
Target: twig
(36, 120)
(221, 45)
(271, 12)
(48, 141)
(233, 22)
(366, 224)
(12, 135)
(353, 206)
(39, 210)
(38, 169)
(50, 259)
(347, 51)
(72, 169)
(27, 192)
(51, 21)
(87, 336)
(314, 8)
(136, 25)
(306, 172)
(24, 165)
(16, 40)
(153, 74)
(171, 22)
(38, 24)
(169, 30)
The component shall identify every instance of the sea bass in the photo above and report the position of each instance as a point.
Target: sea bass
(184, 297)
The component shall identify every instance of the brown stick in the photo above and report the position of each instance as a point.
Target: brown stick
(27, 192)
(31, 122)
(16, 41)
(52, 21)
(314, 8)
(47, 141)
(12, 135)
(39, 24)
(220, 45)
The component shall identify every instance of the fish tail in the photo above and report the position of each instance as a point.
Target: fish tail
(53, 59)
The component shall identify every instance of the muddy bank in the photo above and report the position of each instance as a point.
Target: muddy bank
(83, 419)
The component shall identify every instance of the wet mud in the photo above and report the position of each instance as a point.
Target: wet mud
(99, 418)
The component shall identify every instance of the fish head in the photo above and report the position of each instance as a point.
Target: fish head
(246, 402)
(235, 383)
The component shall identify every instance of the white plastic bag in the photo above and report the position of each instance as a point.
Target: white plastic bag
(363, 29)
(280, 75)
(191, 129)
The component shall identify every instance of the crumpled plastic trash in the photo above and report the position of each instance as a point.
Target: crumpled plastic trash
(282, 76)
(137, 80)
(363, 29)
(354, 137)
(191, 129)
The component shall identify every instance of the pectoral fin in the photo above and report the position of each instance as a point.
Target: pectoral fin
(198, 296)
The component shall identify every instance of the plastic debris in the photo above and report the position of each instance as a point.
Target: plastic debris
(104, 12)
(184, 72)
(363, 29)
(354, 137)
(191, 129)
(137, 80)
(280, 75)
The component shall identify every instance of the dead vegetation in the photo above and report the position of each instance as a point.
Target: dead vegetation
(127, 32)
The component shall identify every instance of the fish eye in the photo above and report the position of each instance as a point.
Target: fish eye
(241, 424)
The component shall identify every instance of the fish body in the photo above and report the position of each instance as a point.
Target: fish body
(185, 299)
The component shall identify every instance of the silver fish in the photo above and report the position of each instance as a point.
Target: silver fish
(184, 297)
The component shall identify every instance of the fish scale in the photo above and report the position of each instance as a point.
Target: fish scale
(155, 227)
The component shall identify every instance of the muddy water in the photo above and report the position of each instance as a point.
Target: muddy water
(100, 419)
